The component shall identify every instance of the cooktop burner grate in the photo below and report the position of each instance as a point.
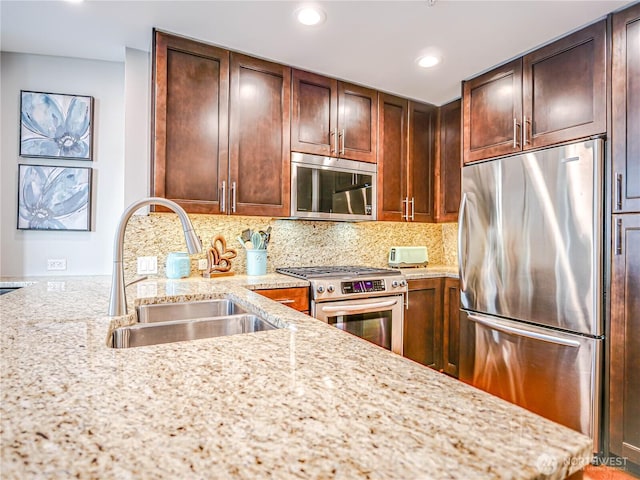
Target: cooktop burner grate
(335, 271)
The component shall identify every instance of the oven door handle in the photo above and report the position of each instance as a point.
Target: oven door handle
(362, 308)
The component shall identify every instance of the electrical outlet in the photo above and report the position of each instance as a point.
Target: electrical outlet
(202, 264)
(57, 264)
(147, 265)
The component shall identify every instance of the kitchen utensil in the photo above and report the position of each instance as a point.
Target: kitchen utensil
(241, 241)
(257, 241)
(246, 235)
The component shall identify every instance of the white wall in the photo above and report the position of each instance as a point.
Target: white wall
(25, 252)
(137, 92)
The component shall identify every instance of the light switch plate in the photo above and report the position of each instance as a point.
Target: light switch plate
(202, 264)
(57, 264)
(147, 265)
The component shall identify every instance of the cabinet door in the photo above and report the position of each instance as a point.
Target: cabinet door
(564, 89)
(392, 156)
(423, 119)
(315, 114)
(492, 105)
(295, 297)
(449, 162)
(259, 132)
(624, 352)
(625, 129)
(422, 334)
(451, 326)
(190, 136)
(357, 122)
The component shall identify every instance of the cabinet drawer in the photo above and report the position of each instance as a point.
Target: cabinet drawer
(296, 298)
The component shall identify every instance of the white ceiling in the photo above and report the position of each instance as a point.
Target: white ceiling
(373, 43)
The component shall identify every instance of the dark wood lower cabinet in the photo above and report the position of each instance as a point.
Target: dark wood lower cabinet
(294, 297)
(422, 334)
(451, 326)
(432, 324)
(624, 368)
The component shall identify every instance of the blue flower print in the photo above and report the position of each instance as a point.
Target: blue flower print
(50, 130)
(52, 197)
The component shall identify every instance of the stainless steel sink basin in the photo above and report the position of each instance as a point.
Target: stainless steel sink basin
(164, 312)
(142, 334)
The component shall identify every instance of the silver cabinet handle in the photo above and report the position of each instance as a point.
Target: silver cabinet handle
(233, 197)
(342, 135)
(619, 191)
(405, 208)
(223, 197)
(526, 126)
(413, 209)
(461, 226)
(364, 308)
(336, 138)
(524, 333)
(516, 125)
(286, 302)
(332, 149)
(619, 237)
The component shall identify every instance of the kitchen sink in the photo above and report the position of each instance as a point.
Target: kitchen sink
(178, 322)
(141, 334)
(164, 312)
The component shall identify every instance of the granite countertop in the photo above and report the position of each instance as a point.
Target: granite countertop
(304, 401)
(430, 271)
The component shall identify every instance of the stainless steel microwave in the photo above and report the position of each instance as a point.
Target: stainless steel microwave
(326, 188)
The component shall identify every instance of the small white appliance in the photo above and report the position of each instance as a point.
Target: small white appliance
(401, 257)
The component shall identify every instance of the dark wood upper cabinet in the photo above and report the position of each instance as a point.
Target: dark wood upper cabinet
(624, 382)
(259, 159)
(357, 122)
(449, 164)
(492, 105)
(551, 95)
(333, 118)
(625, 128)
(315, 114)
(392, 156)
(564, 89)
(423, 119)
(190, 122)
(407, 158)
(221, 124)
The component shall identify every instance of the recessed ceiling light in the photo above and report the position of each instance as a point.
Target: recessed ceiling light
(310, 16)
(428, 61)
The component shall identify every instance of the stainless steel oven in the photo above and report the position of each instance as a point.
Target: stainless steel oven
(366, 302)
(378, 320)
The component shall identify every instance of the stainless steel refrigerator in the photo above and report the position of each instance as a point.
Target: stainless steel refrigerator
(530, 255)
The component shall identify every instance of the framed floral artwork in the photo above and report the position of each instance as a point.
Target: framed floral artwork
(54, 198)
(55, 125)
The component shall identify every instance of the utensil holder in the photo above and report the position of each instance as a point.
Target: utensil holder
(256, 262)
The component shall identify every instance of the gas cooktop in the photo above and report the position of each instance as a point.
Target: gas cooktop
(335, 271)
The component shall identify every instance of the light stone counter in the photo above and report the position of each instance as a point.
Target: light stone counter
(430, 271)
(305, 401)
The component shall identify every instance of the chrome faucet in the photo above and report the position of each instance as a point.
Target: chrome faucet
(118, 298)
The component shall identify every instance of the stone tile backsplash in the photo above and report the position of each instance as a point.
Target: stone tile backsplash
(293, 242)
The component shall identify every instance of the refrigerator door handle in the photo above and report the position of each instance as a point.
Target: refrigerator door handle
(524, 333)
(461, 224)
